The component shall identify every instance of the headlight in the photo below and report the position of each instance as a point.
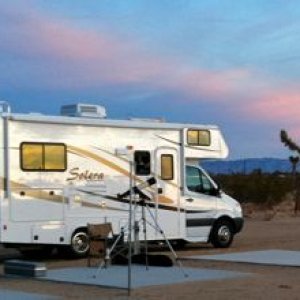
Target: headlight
(238, 208)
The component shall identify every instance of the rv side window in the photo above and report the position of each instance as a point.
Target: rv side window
(43, 157)
(142, 163)
(31, 156)
(167, 167)
(198, 137)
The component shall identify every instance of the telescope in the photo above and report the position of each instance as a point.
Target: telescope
(137, 189)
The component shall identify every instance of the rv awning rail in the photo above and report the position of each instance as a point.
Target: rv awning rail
(104, 122)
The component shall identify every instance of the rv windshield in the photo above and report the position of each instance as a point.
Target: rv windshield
(198, 182)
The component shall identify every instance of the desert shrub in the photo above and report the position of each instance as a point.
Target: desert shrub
(256, 187)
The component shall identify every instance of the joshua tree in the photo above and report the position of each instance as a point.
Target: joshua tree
(288, 142)
(294, 161)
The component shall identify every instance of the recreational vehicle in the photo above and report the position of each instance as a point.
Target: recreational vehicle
(59, 173)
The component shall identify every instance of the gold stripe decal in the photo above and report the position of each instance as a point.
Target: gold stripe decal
(34, 193)
(164, 199)
(112, 165)
(101, 160)
(92, 205)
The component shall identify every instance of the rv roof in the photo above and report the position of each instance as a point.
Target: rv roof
(103, 122)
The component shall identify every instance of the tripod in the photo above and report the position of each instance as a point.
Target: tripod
(154, 224)
(136, 190)
(109, 251)
(158, 228)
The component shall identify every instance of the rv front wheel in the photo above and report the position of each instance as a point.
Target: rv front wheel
(222, 234)
(80, 243)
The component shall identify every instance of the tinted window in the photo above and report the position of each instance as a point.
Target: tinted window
(197, 181)
(142, 161)
(192, 179)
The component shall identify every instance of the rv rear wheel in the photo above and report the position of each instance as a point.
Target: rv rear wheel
(80, 243)
(222, 234)
(178, 244)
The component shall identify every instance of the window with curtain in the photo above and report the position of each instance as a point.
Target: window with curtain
(198, 137)
(43, 157)
(167, 167)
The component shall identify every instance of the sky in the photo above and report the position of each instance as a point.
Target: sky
(235, 64)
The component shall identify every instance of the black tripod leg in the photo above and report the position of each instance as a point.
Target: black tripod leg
(159, 229)
(108, 254)
(145, 236)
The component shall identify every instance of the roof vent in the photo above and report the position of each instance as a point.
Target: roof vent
(83, 110)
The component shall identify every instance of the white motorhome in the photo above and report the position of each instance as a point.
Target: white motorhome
(59, 173)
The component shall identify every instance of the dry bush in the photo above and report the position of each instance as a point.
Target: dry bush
(257, 187)
(263, 196)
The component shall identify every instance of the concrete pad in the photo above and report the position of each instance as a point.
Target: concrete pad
(267, 257)
(13, 295)
(116, 276)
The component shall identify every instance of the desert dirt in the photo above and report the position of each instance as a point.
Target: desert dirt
(261, 232)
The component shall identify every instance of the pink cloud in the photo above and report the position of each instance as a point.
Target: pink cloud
(216, 85)
(89, 57)
(57, 53)
(281, 107)
(33, 34)
(294, 133)
(279, 104)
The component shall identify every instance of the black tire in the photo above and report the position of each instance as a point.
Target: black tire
(80, 244)
(178, 244)
(222, 234)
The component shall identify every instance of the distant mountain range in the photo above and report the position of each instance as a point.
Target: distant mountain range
(246, 166)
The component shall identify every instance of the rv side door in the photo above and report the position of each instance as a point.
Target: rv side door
(167, 199)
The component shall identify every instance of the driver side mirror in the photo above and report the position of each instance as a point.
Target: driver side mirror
(215, 191)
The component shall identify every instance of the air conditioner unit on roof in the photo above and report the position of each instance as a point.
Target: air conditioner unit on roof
(83, 110)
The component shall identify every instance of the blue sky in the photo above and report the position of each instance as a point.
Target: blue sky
(231, 63)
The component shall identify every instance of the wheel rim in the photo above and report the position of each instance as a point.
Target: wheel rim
(80, 242)
(224, 234)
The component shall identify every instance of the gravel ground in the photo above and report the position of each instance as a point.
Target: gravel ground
(266, 281)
